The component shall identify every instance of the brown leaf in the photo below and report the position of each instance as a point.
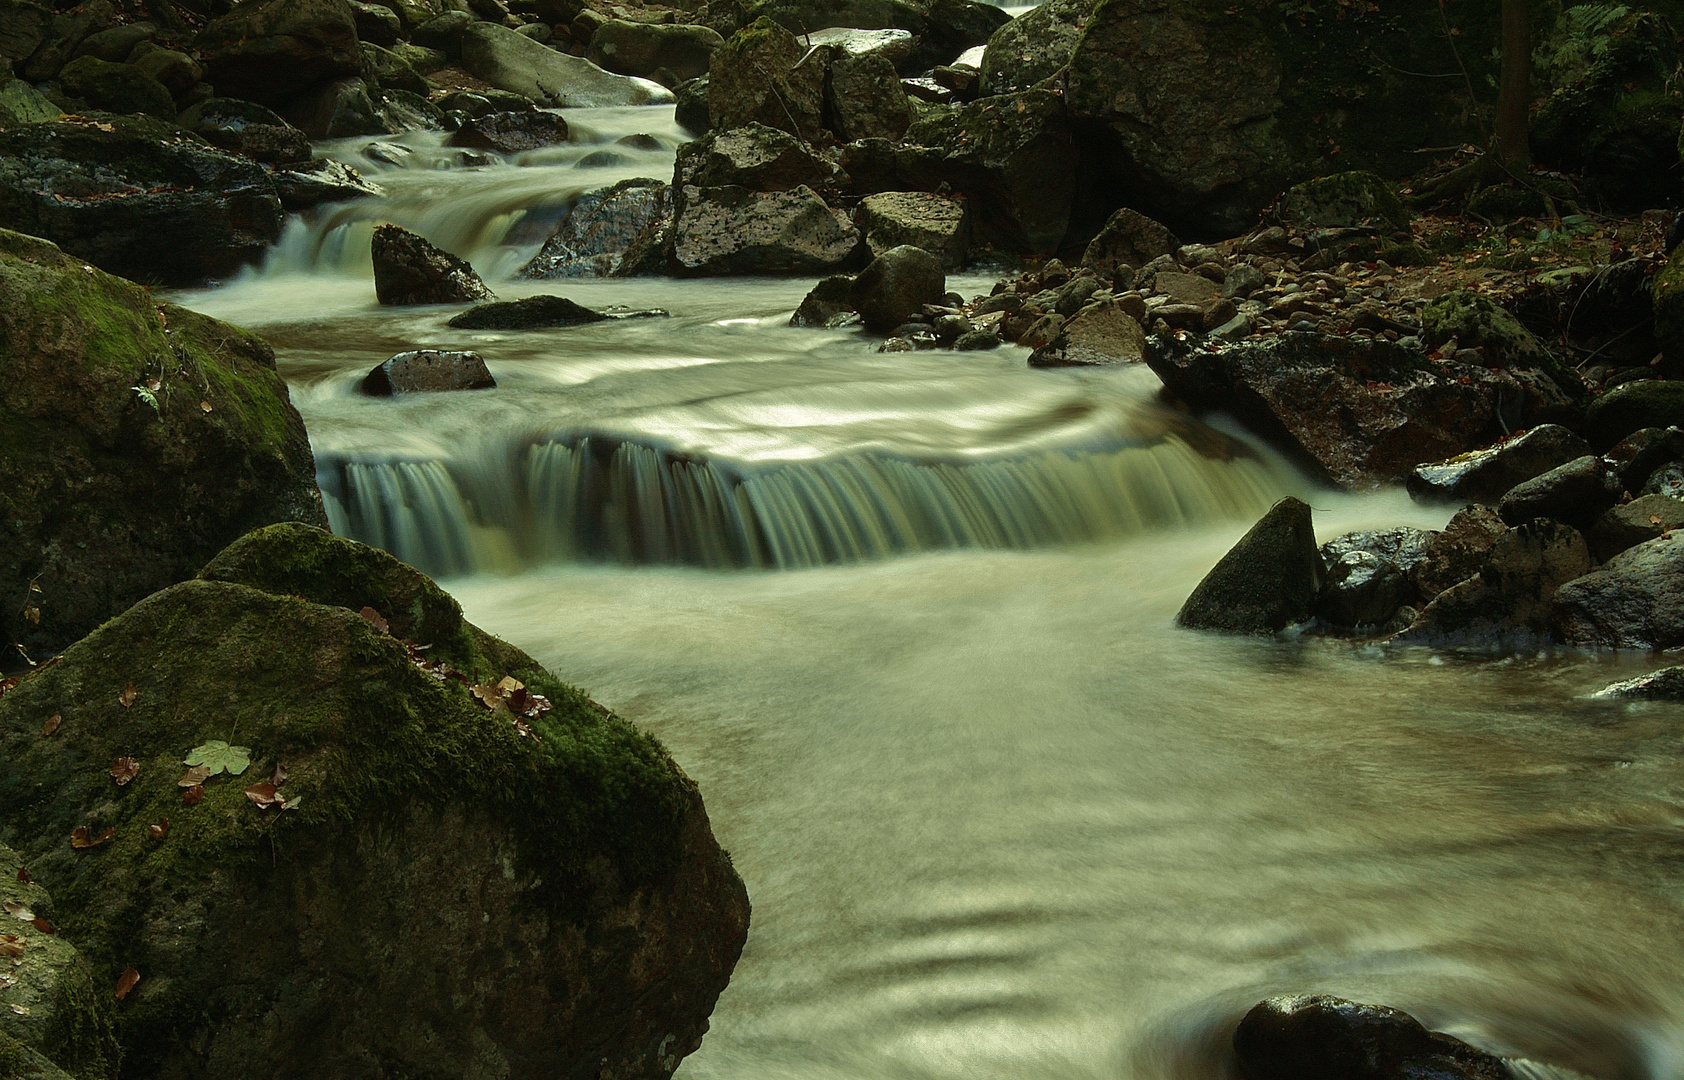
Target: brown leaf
(126, 698)
(51, 725)
(124, 769)
(126, 981)
(508, 684)
(23, 875)
(193, 795)
(80, 837)
(375, 619)
(1654, 519)
(488, 695)
(33, 614)
(279, 776)
(205, 406)
(194, 777)
(11, 945)
(42, 925)
(160, 830)
(263, 794)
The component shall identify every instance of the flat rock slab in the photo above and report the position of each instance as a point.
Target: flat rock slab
(531, 313)
(428, 371)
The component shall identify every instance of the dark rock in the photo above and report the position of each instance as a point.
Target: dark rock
(185, 212)
(409, 270)
(21, 103)
(114, 45)
(1667, 684)
(513, 62)
(69, 29)
(1342, 200)
(764, 75)
(1362, 590)
(1637, 455)
(432, 841)
(336, 110)
(529, 313)
(1641, 520)
(268, 51)
(444, 33)
(1403, 547)
(119, 88)
(428, 371)
(23, 27)
(977, 341)
(105, 498)
(390, 71)
(1508, 604)
(935, 223)
(801, 16)
(1458, 552)
(1486, 475)
(753, 156)
(732, 230)
(600, 229)
(400, 110)
(1635, 601)
(1577, 493)
(691, 105)
(174, 71)
(828, 299)
(511, 132)
(895, 285)
(1033, 46)
(244, 127)
(954, 26)
(1632, 406)
(1667, 480)
(376, 23)
(635, 48)
(927, 89)
(312, 184)
(1294, 1038)
(1361, 412)
(1128, 239)
(864, 99)
(1266, 582)
(1097, 336)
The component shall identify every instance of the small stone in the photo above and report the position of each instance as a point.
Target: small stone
(428, 371)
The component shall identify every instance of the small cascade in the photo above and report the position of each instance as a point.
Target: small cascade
(596, 498)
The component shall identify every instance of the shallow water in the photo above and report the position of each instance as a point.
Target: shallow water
(997, 816)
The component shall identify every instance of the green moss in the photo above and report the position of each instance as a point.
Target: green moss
(119, 88)
(1343, 200)
(1668, 293)
(19, 1062)
(82, 1038)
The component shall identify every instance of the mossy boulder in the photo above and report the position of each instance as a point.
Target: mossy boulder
(1343, 200)
(269, 51)
(118, 88)
(1632, 406)
(21, 103)
(455, 890)
(1033, 46)
(137, 439)
(762, 74)
(392, 72)
(1473, 319)
(1668, 299)
(1266, 582)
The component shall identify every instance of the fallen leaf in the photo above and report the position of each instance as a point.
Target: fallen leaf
(508, 684)
(126, 981)
(80, 837)
(193, 795)
(195, 776)
(160, 830)
(279, 775)
(218, 756)
(11, 945)
(376, 620)
(263, 794)
(1654, 519)
(126, 698)
(488, 695)
(19, 910)
(124, 769)
(23, 875)
(292, 803)
(42, 925)
(51, 725)
(21, 1010)
(33, 614)
(205, 406)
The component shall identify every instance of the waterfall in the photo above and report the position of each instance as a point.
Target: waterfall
(596, 498)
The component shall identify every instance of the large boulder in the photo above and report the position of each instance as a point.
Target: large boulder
(66, 34)
(952, 28)
(753, 156)
(762, 74)
(936, 223)
(895, 286)
(1577, 493)
(118, 88)
(312, 183)
(1486, 475)
(514, 62)
(864, 99)
(424, 843)
(1266, 582)
(1458, 551)
(732, 230)
(1360, 413)
(138, 439)
(268, 51)
(1294, 1037)
(409, 270)
(1034, 46)
(1632, 406)
(827, 300)
(1635, 522)
(1343, 200)
(337, 110)
(135, 197)
(803, 16)
(390, 71)
(1508, 604)
(598, 231)
(244, 127)
(511, 132)
(1474, 320)
(1128, 238)
(636, 48)
(23, 27)
(1635, 601)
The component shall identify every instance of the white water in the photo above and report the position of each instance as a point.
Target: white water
(998, 817)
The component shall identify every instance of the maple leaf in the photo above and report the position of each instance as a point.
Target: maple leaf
(126, 698)
(126, 982)
(124, 769)
(218, 756)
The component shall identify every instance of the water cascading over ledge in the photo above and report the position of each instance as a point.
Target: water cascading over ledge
(599, 498)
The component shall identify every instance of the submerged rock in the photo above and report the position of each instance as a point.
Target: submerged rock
(1266, 582)
(511, 132)
(136, 439)
(1487, 475)
(1635, 601)
(528, 313)
(448, 886)
(303, 186)
(895, 286)
(428, 371)
(409, 270)
(1297, 1037)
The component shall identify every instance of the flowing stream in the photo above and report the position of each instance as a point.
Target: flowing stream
(907, 619)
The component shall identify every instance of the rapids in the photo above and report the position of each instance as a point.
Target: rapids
(906, 618)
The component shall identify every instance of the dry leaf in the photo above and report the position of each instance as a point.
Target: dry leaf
(279, 776)
(1654, 519)
(292, 803)
(488, 695)
(195, 776)
(126, 698)
(205, 405)
(33, 614)
(124, 769)
(263, 794)
(11, 945)
(42, 925)
(193, 795)
(18, 909)
(376, 620)
(51, 725)
(80, 837)
(23, 875)
(160, 830)
(21, 1010)
(126, 981)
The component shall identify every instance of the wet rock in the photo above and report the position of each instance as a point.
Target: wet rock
(634, 48)
(1342, 200)
(400, 110)
(1033, 46)
(1486, 475)
(433, 840)
(1474, 319)
(1458, 552)
(1641, 520)
(376, 23)
(1403, 547)
(390, 71)
(428, 371)
(864, 99)
(977, 340)
(528, 313)
(1666, 684)
(953, 27)
(119, 88)
(1128, 239)
(800, 16)
(934, 223)
(131, 196)
(326, 181)
(1577, 493)
(764, 75)
(732, 230)
(175, 71)
(116, 498)
(828, 299)
(1100, 335)
(337, 110)
(1361, 412)
(893, 45)
(242, 127)
(512, 62)
(753, 156)
(409, 270)
(1635, 601)
(511, 132)
(1632, 406)
(1294, 1037)
(1266, 582)
(896, 285)
(1362, 589)
(1508, 604)
(269, 51)
(1637, 455)
(599, 231)
(691, 105)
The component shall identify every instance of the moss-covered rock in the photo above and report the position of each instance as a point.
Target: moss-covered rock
(118, 88)
(1474, 319)
(136, 440)
(21, 103)
(455, 890)
(1341, 201)
(764, 75)
(1668, 298)
(1267, 582)
(392, 72)
(1632, 406)
(268, 51)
